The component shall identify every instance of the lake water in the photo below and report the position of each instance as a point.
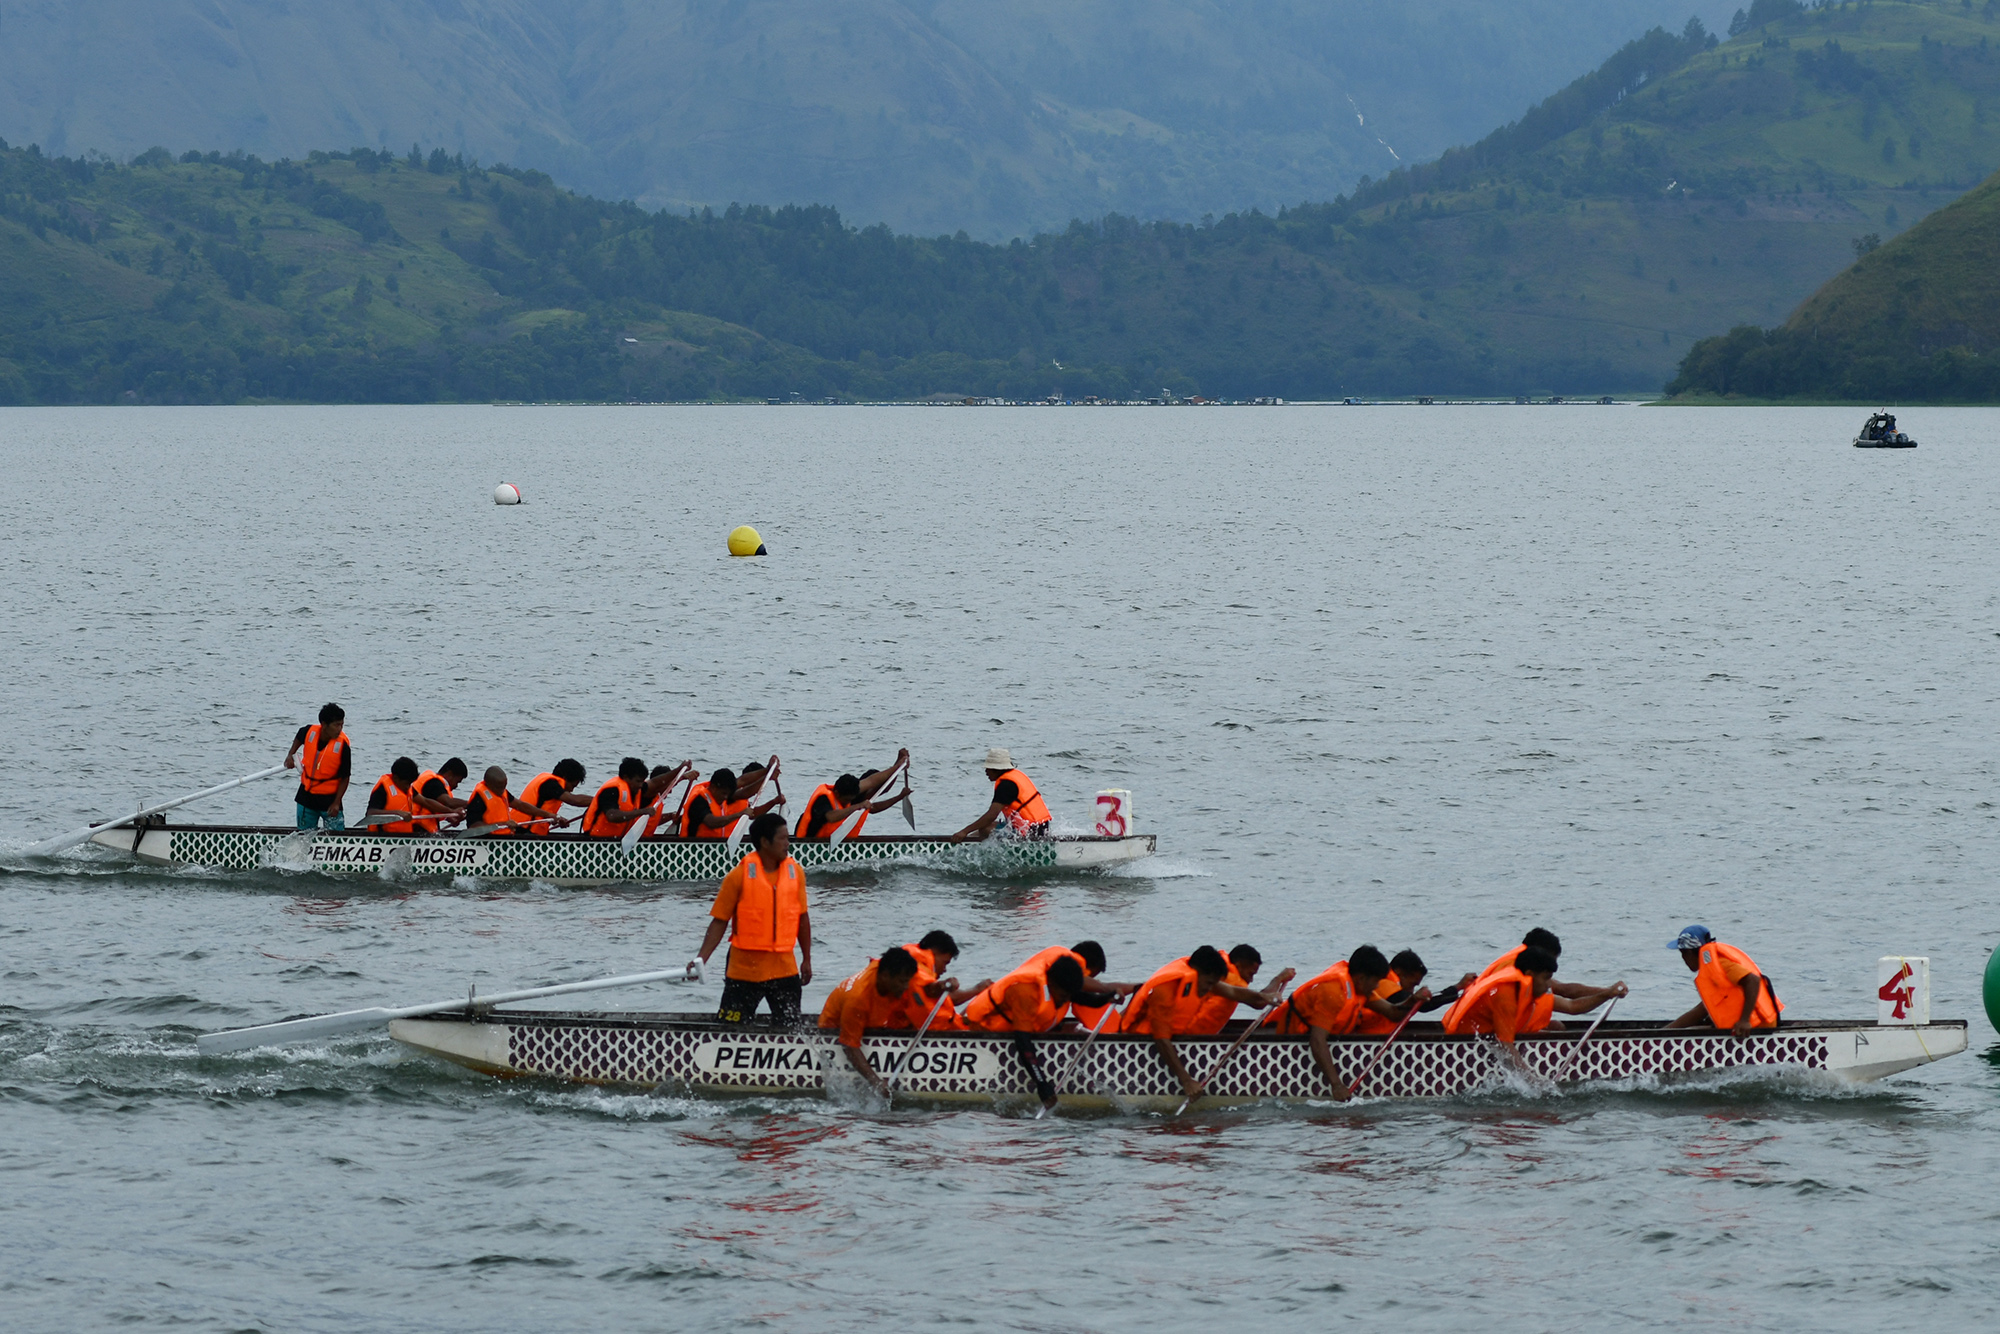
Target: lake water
(1419, 677)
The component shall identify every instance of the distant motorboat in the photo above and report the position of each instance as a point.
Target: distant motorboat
(1881, 433)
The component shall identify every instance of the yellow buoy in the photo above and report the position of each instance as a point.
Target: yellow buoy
(745, 542)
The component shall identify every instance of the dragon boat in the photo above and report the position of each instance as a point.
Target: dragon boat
(572, 860)
(692, 1054)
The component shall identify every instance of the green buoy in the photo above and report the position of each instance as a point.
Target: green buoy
(1993, 987)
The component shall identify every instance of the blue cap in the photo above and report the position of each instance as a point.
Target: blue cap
(1690, 938)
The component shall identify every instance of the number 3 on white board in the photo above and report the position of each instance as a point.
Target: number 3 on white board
(1114, 813)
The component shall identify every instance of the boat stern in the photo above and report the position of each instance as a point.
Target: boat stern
(1864, 1055)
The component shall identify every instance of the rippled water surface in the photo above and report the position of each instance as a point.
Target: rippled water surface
(1416, 677)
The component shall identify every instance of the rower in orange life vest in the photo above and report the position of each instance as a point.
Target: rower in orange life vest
(1031, 999)
(1219, 1009)
(876, 997)
(1015, 800)
(1506, 1000)
(393, 795)
(324, 769)
(1170, 1003)
(1564, 997)
(1333, 1003)
(493, 806)
(619, 802)
(1735, 994)
(934, 955)
(1097, 1008)
(831, 804)
(1406, 974)
(550, 792)
(434, 791)
(762, 904)
(714, 807)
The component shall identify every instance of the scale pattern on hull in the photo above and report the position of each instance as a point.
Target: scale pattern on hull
(563, 860)
(1117, 1067)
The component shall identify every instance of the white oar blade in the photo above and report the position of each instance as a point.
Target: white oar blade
(630, 839)
(737, 831)
(846, 829)
(909, 812)
(292, 1030)
(48, 847)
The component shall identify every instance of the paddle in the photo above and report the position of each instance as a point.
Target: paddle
(392, 817)
(909, 811)
(1394, 1033)
(48, 847)
(915, 1043)
(1223, 1060)
(846, 828)
(1576, 1052)
(1044, 1090)
(354, 1021)
(1076, 1058)
(630, 839)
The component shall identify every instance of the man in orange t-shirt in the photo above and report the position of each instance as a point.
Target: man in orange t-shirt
(762, 905)
(872, 998)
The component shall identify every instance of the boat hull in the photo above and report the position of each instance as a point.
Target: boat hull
(693, 1054)
(567, 859)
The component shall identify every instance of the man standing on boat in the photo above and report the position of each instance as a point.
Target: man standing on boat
(762, 904)
(1735, 994)
(1015, 799)
(328, 763)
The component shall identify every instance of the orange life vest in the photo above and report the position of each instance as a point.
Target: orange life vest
(319, 766)
(729, 811)
(983, 1010)
(1217, 1010)
(1472, 1011)
(1028, 809)
(1387, 989)
(487, 807)
(805, 827)
(1088, 1015)
(597, 824)
(919, 1005)
(1287, 1018)
(553, 807)
(1722, 998)
(393, 798)
(1174, 987)
(429, 826)
(768, 910)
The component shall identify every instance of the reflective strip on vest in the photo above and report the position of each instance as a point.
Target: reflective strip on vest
(394, 799)
(596, 824)
(429, 826)
(553, 808)
(716, 808)
(487, 808)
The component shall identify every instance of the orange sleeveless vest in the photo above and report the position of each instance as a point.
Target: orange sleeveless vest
(1287, 1019)
(597, 825)
(1370, 1022)
(804, 828)
(1028, 809)
(319, 766)
(542, 827)
(1472, 1012)
(983, 1010)
(489, 808)
(429, 826)
(768, 910)
(716, 807)
(393, 799)
(1722, 998)
(1184, 1008)
(1217, 1011)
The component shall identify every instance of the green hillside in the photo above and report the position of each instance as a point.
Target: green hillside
(1683, 188)
(1915, 320)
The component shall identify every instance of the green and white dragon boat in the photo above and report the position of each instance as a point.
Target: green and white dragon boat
(572, 860)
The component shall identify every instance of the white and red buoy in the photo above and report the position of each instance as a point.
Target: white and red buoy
(506, 494)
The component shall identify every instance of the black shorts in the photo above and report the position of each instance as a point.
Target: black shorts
(740, 999)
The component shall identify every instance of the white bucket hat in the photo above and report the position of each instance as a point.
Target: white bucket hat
(998, 758)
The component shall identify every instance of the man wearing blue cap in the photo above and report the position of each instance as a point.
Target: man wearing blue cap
(1735, 994)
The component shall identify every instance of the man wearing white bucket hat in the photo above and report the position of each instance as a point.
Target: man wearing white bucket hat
(1015, 799)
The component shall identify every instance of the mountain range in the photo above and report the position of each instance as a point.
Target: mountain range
(995, 117)
(1685, 186)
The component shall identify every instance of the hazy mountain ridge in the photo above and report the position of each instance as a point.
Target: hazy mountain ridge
(999, 118)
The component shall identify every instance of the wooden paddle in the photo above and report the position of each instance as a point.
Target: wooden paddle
(1216, 1069)
(1394, 1033)
(915, 1043)
(1576, 1052)
(1076, 1058)
(354, 1021)
(48, 847)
